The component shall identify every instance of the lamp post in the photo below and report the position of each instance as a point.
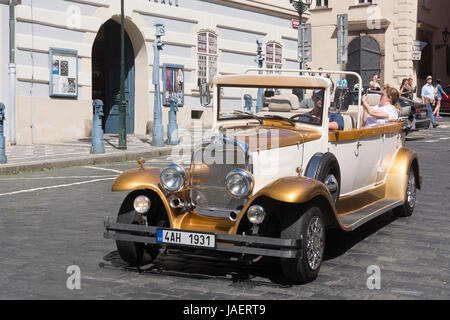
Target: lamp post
(123, 104)
(157, 130)
(445, 36)
(259, 59)
(301, 7)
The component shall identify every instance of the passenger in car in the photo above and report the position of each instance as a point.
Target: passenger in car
(385, 110)
(336, 121)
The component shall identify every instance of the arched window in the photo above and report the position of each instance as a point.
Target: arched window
(207, 56)
(274, 56)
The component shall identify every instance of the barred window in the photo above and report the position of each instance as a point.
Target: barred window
(207, 56)
(274, 56)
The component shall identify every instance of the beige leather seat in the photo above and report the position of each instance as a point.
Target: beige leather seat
(285, 102)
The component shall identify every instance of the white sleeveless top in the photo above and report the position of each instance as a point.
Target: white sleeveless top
(389, 109)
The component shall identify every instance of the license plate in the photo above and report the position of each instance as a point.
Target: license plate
(187, 238)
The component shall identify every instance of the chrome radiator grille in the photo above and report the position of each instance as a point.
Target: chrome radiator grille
(211, 162)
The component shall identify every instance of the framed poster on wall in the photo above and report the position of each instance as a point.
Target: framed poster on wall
(173, 83)
(63, 73)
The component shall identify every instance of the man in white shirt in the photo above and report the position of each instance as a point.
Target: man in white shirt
(428, 98)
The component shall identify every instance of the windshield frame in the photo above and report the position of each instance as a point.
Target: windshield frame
(244, 117)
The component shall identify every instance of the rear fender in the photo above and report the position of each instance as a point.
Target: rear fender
(398, 174)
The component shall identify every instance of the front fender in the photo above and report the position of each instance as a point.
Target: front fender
(296, 190)
(139, 178)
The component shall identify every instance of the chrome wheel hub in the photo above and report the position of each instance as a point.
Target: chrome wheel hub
(315, 243)
(411, 190)
(333, 186)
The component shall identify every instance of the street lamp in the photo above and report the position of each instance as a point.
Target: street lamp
(301, 7)
(445, 36)
(122, 105)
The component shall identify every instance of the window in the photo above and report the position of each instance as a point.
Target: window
(321, 3)
(207, 56)
(274, 56)
(425, 4)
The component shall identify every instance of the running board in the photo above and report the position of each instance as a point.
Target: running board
(358, 218)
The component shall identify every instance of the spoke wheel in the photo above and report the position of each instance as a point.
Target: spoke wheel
(308, 227)
(408, 206)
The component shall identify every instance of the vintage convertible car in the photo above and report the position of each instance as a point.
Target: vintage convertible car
(271, 180)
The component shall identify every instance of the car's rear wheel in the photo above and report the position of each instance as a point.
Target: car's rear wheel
(310, 229)
(408, 206)
(136, 254)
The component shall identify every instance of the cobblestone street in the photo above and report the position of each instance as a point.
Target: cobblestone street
(53, 219)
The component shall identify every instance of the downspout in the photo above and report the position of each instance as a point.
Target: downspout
(12, 74)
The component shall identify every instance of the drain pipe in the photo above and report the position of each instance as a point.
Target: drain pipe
(12, 74)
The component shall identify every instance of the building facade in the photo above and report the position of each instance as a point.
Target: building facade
(206, 37)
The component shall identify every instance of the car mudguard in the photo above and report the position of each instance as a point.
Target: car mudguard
(397, 178)
(296, 190)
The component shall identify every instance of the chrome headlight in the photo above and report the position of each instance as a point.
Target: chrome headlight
(173, 178)
(142, 204)
(239, 183)
(256, 214)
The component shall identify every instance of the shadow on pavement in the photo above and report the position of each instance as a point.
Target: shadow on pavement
(265, 272)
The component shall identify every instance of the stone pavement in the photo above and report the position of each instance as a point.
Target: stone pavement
(78, 152)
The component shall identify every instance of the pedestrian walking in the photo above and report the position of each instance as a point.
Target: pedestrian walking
(427, 94)
(374, 84)
(439, 91)
(332, 83)
(410, 90)
(403, 90)
(342, 82)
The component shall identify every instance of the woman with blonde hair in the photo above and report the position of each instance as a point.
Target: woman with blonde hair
(387, 110)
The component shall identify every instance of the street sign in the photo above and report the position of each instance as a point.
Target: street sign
(305, 44)
(342, 39)
(295, 23)
(417, 50)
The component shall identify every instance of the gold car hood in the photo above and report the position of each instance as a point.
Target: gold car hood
(266, 137)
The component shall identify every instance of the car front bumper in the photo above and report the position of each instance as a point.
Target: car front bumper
(421, 124)
(231, 243)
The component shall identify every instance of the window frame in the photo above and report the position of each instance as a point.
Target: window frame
(208, 54)
(273, 64)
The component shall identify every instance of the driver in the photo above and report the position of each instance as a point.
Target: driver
(336, 122)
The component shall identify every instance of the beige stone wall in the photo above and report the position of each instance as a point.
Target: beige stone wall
(405, 15)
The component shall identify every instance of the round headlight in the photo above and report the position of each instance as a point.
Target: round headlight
(239, 183)
(256, 214)
(142, 204)
(173, 178)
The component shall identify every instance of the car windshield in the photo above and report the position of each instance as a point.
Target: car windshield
(292, 104)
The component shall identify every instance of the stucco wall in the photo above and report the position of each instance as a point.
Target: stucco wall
(237, 29)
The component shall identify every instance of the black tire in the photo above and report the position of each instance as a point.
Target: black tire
(407, 208)
(304, 269)
(136, 254)
(327, 171)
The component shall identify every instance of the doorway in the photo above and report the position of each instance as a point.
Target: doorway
(363, 58)
(106, 67)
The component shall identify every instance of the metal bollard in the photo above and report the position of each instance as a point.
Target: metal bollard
(97, 131)
(2, 137)
(259, 60)
(172, 127)
(248, 102)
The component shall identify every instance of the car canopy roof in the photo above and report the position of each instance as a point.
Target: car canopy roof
(273, 81)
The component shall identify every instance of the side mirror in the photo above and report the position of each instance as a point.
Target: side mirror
(205, 94)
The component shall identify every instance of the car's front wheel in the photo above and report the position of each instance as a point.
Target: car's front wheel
(136, 254)
(310, 229)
